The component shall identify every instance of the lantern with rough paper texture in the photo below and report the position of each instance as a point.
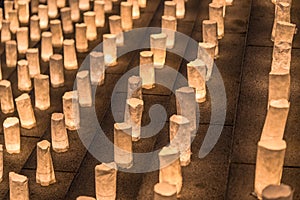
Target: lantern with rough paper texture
(284, 32)
(147, 71)
(170, 8)
(11, 53)
(44, 170)
(84, 5)
(18, 187)
(135, 9)
(80, 37)
(169, 27)
(35, 31)
(5, 31)
(282, 53)
(7, 101)
(56, 70)
(206, 52)
(61, 3)
(59, 135)
(126, 15)
(25, 111)
(110, 49)
(216, 14)
(165, 191)
(12, 135)
(75, 12)
(91, 29)
(14, 21)
(142, 3)
(135, 109)
(134, 87)
(116, 28)
(42, 91)
(282, 13)
(8, 6)
(70, 58)
(158, 44)
(34, 6)
(180, 8)
(22, 40)
(97, 68)
(43, 15)
(279, 84)
(108, 5)
(221, 2)
(52, 9)
(210, 34)
(23, 11)
(99, 13)
(57, 34)
(84, 88)
(71, 110)
(46, 46)
(24, 81)
(278, 192)
(32, 56)
(66, 20)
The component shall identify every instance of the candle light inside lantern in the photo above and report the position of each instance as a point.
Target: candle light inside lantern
(269, 164)
(66, 20)
(70, 58)
(210, 34)
(197, 78)
(71, 110)
(147, 71)
(158, 44)
(282, 13)
(18, 187)
(170, 8)
(169, 27)
(206, 53)
(25, 111)
(80, 35)
(97, 68)
(110, 49)
(24, 82)
(126, 16)
(61, 3)
(59, 136)
(56, 70)
(106, 181)
(32, 56)
(278, 192)
(43, 15)
(186, 106)
(22, 39)
(135, 110)
(216, 14)
(12, 136)
(23, 11)
(116, 28)
(57, 35)
(34, 6)
(8, 6)
(99, 13)
(91, 29)
(5, 31)
(84, 88)
(170, 169)
(84, 5)
(46, 46)
(52, 9)
(279, 84)
(75, 12)
(180, 137)
(108, 5)
(282, 53)
(42, 91)
(14, 21)
(7, 102)
(180, 9)
(123, 145)
(135, 9)
(165, 191)
(35, 31)
(44, 170)
(11, 53)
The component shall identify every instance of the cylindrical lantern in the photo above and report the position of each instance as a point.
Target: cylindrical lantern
(80, 35)
(43, 15)
(66, 20)
(32, 56)
(206, 53)
(14, 21)
(135, 110)
(99, 13)
(75, 12)
(110, 49)
(282, 13)
(84, 5)
(158, 44)
(34, 6)
(52, 9)
(71, 110)
(279, 85)
(134, 87)
(180, 8)
(70, 59)
(278, 192)
(84, 88)
(46, 46)
(5, 31)
(97, 68)
(116, 28)
(126, 16)
(165, 191)
(170, 8)
(284, 32)
(7, 101)
(23, 11)
(59, 135)
(35, 31)
(282, 53)
(25, 111)
(11, 53)
(135, 9)
(91, 29)
(142, 3)
(61, 3)
(18, 187)
(42, 91)
(169, 27)
(22, 40)
(24, 81)
(57, 35)
(108, 5)
(12, 135)
(216, 14)
(56, 70)
(210, 34)
(8, 6)
(147, 71)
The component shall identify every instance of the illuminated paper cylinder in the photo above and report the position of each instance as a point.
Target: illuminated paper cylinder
(42, 91)
(18, 187)
(43, 15)
(197, 78)
(70, 59)
(52, 9)
(106, 181)
(57, 34)
(123, 145)
(170, 169)
(32, 56)
(12, 135)
(158, 44)
(180, 9)
(170, 8)
(206, 53)
(282, 53)
(229, 2)
(46, 46)
(23, 11)
(14, 21)
(210, 34)
(282, 13)
(25, 111)
(126, 16)
(80, 35)
(11, 53)
(5, 31)
(278, 192)
(165, 191)
(85, 198)
(186, 106)
(75, 12)
(61, 3)
(84, 88)
(276, 120)
(269, 164)
(24, 82)
(97, 68)
(35, 31)
(71, 110)
(0, 72)
(169, 27)
(221, 2)
(1, 17)
(84, 5)
(91, 29)
(44, 170)
(110, 49)
(59, 135)
(34, 6)
(135, 110)
(216, 14)
(56, 70)
(99, 13)
(142, 3)
(279, 85)
(108, 5)
(134, 87)
(22, 40)
(180, 137)
(66, 20)
(7, 101)
(8, 6)
(1, 163)
(116, 28)
(284, 32)
(135, 9)
(147, 71)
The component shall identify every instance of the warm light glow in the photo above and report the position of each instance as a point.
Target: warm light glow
(42, 91)
(134, 87)
(169, 27)
(8, 6)
(14, 21)
(61, 3)
(216, 14)
(97, 68)
(99, 13)
(135, 109)
(147, 71)
(279, 84)
(23, 11)
(18, 187)
(135, 9)
(71, 110)
(210, 34)
(52, 9)
(84, 5)
(70, 58)
(75, 12)
(7, 101)
(12, 135)
(80, 37)
(11, 53)
(282, 53)
(84, 88)
(170, 8)
(32, 56)
(66, 20)
(126, 16)
(142, 3)
(206, 53)
(22, 40)
(46, 46)
(180, 9)
(273, 192)
(24, 81)
(56, 70)
(25, 111)
(85, 198)
(5, 31)
(35, 31)
(57, 35)
(59, 135)
(284, 32)
(43, 15)
(282, 13)
(158, 44)
(116, 28)
(110, 49)
(1, 163)
(165, 191)
(91, 30)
